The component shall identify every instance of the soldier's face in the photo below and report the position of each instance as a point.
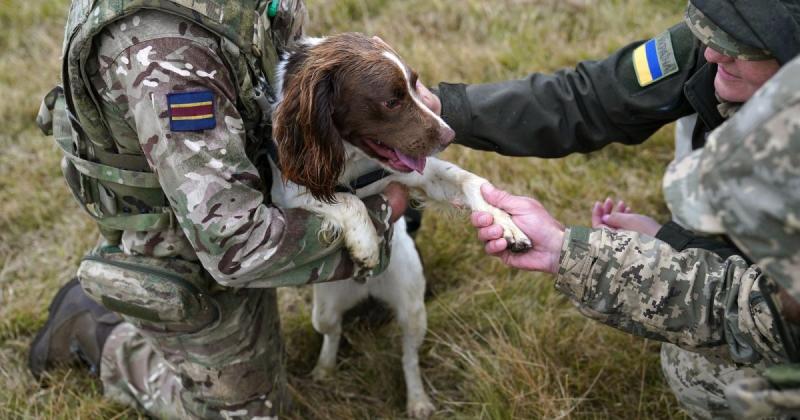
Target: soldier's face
(737, 80)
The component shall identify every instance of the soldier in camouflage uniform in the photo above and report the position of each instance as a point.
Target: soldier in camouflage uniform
(745, 183)
(707, 298)
(164, 122)
(695, 292)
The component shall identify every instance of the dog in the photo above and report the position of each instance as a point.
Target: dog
(345, 106)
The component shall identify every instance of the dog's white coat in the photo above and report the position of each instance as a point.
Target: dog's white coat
(402, 284)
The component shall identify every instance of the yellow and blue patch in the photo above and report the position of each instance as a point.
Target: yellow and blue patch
(654, 60)
(191, 111)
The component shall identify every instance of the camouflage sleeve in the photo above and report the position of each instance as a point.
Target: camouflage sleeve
(213, 188)
(692, 298)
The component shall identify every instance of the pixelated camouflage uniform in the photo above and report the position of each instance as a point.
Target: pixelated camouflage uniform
(695, 298)
(745, 183)
(200, 340)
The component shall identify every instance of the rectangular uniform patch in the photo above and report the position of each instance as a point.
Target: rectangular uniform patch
(191, 111)
(654, 60)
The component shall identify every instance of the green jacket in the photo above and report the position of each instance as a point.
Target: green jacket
(586, 108)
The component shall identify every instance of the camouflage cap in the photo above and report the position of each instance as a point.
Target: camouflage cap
(746, 181)
(710, 34)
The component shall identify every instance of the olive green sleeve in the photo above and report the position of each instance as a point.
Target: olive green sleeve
(573, 110)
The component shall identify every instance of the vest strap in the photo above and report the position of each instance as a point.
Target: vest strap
(138, 222)
(109, 173)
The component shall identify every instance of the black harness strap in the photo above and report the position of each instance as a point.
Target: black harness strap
(363, 181)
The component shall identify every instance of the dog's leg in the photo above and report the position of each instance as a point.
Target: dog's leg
(444, 181)
(402, 286)
(331, 300)
(331, 329)
(347, 216)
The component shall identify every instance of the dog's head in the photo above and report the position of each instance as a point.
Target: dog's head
(352, 88)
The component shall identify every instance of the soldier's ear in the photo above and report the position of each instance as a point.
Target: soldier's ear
(310, 149)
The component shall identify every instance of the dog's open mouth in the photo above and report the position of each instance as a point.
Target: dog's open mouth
(395, 158)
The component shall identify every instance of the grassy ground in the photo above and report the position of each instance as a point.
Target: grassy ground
(501, 343)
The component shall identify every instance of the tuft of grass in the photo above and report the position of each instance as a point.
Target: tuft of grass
(501, 343)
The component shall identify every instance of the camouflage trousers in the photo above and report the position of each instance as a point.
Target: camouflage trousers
(231, 368)
(699, 381)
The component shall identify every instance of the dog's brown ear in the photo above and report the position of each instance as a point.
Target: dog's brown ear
(310, 149)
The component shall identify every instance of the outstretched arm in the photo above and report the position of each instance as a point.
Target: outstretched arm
(641, 285)
(573, 110)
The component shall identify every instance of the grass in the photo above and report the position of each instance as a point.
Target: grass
(501, 343)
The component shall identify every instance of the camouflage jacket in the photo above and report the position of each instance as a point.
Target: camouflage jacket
(692, 298)
(215, 191)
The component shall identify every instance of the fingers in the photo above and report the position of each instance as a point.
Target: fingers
(428, 98)
(481, 219)
(512, 204)
(494, 196)
(597, 214)
(490, 233)
(608, 206)
(621, 207)
(496, 246)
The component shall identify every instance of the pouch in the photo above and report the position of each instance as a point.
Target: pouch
(171, 293)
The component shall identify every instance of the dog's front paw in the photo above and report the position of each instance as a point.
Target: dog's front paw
(420, 408)
(364, 246)
(322, 373)
(516, 239)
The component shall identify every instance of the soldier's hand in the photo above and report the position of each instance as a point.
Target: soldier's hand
(619, 216)
(546, 233)
(429, 99)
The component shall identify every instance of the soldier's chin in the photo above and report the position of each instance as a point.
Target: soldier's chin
(732, 90)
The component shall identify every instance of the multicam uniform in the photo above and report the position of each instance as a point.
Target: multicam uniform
(697, 292)
(167, 150)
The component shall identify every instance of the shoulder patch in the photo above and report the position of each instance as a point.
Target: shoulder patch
(191, 111)
(654, 60)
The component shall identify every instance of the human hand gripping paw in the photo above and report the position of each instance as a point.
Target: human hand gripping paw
(545, 232)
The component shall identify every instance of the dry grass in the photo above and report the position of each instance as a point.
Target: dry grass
(501, 343)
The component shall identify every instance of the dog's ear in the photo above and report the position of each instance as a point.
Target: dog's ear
(310, 149)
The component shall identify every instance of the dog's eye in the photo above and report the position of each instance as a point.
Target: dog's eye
(392, 103)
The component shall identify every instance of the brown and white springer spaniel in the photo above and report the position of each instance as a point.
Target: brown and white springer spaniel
(347, 105)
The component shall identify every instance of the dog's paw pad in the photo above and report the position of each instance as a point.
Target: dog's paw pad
(420, 409)
(518, 244)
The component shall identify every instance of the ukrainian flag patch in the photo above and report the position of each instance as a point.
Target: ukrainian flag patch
(654, 60)
(191, 111)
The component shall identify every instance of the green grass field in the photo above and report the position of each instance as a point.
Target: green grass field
(501, 343)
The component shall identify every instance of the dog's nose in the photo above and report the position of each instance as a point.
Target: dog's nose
(446, 135)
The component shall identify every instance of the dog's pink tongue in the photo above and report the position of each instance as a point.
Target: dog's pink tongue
(417, 164)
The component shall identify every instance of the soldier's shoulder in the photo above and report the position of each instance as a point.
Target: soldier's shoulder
(150, 27)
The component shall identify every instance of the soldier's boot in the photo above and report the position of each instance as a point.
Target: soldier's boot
(75, 331)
